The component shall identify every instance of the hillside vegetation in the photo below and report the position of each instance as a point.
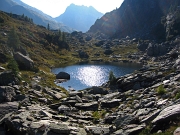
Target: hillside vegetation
(19, 7)
(54, 48)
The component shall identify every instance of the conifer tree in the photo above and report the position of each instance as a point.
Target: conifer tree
(48, 26)
(13, 39)
(60, 34)
(112, 77)
(10, 14)
(64, 37)
(22, 15)
(13, 66)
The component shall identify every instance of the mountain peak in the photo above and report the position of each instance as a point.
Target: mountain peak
(72, 6)
(79, 17)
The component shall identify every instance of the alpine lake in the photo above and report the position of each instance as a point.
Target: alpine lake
(85, 75)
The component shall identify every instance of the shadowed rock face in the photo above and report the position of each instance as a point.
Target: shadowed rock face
(8, 77)
(24, 61)
(6, 94)
(63, 75)
(135, 18)
(8, 107)
(172, 24)
(3, 57)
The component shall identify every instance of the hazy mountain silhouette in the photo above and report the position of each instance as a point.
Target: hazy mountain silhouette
(20, 8)
(79, 17)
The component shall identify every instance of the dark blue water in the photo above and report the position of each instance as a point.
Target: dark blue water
(93, 74)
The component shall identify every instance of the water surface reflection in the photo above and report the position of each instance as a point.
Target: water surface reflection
(87, 75)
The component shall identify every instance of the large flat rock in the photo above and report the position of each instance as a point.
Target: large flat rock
(87, 106)
(24, 61)
(59, 128)
(8, 107)
(168, 113)
(110, 103)
(98, 130)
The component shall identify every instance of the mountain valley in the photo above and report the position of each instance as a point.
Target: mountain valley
(145, 102)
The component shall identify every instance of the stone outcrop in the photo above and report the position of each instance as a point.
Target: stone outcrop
(23, 61)
(142, 46)
(97, 90)
(63, 75)
(87, 106)
(156, 49)
(3, 57)
(88, 38)
(83, 54)
(108, 52)
(2, 69)
(6, 94)
(7, 77)
(172, 24)
(6, 109)
(168, 113)
(177, 131)
(95, 130)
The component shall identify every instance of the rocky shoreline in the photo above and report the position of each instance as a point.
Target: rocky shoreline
(147, 98)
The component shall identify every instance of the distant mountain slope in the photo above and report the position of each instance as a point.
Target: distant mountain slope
(135, 18)
(5, 5)
(79, 17)
(20, 8)
(33, 9)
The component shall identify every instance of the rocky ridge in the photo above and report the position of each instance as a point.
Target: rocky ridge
(138, 19)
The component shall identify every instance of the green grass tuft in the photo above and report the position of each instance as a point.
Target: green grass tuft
(98, 114)
(161, 90)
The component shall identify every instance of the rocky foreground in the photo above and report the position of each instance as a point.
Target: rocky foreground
(145, 99)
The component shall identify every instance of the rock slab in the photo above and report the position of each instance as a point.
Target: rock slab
(168, 113)
(8, 107)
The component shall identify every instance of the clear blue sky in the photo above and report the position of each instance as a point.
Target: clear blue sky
(55, 8)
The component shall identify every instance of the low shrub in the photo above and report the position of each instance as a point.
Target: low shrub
(177, 95)
(12, 64)
(161, 90)
(98, 114)
(112, 78)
